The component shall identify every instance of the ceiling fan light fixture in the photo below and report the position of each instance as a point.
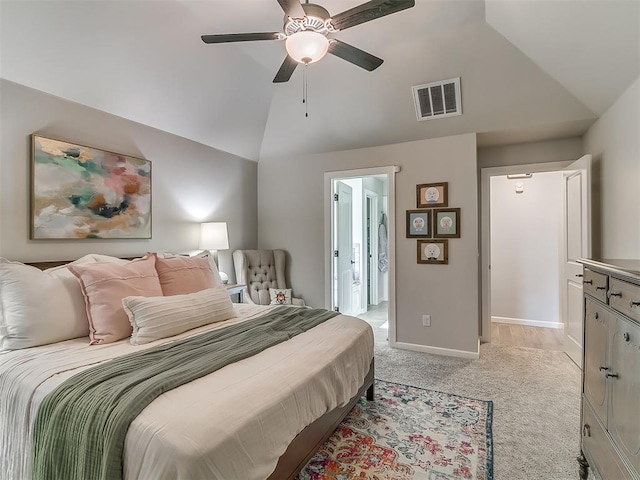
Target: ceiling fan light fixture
(307, 46)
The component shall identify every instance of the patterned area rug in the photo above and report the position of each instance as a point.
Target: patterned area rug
(408, 433)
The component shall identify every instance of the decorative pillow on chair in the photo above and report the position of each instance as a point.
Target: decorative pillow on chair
(183, 275)
(280, 296)
(153, 318)
(104, 285)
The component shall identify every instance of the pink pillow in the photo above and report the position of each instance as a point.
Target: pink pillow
(104, 285)
(184, 275)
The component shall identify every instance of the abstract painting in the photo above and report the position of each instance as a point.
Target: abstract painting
(79, 192)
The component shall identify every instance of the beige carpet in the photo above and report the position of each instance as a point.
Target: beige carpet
(536, 395)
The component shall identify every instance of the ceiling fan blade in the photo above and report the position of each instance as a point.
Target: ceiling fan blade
(292, 8)
(286, 70)
(369, 11)
(354, 55)
(241, 37)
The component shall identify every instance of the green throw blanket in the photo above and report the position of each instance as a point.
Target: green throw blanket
(81, 426)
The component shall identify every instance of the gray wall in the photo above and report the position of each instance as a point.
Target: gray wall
(191, 183)
(530, 152)
(291, 216)
(526, 238)
(614, 142)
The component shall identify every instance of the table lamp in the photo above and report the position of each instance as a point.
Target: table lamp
(214, 237)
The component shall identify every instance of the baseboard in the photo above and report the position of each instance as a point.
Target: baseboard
(529, 323)
(448, 352)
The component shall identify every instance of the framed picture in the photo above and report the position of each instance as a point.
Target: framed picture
(79, 192)
(433, 251)
(446, 223)
(418, 223)
(432, 195)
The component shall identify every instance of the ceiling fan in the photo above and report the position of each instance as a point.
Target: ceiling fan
(306, 29)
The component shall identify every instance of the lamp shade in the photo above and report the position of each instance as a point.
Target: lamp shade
(214, 236)
(307, 46)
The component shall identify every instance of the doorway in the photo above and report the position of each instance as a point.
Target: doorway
(359, 248)
(558, 237)
(526, 216)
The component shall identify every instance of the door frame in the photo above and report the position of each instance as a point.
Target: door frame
(485, 231)
(390, 172)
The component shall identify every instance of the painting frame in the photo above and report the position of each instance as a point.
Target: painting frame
(441, 254)
(432, 195)
(414, 225)
(442, 229)
(80, 192)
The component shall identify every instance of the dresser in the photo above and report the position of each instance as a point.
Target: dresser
(610, 411)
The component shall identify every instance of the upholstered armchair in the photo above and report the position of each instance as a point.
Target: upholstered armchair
(261, 270)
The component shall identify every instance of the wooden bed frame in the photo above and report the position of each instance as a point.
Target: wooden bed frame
(309, 440)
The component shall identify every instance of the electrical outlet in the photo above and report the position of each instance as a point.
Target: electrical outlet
(426, 320)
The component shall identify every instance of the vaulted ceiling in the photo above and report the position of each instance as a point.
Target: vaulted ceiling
(530, 69)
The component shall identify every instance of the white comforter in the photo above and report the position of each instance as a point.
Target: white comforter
(232, 424)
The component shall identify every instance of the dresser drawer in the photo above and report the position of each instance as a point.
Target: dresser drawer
(625, 298)
(598, 448)
(595, 284)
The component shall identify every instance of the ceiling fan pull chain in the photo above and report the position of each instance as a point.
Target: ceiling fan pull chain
(305, 97)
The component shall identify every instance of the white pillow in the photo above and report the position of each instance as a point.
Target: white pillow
(153, 318)
(213, 266)
(99, 258)
(39, 307)
(280, 296)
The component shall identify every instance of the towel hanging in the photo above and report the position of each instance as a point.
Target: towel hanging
(383, 260)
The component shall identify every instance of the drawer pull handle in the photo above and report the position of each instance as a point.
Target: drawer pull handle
(626, 337)
(589, 282)
(579, 275)
(586, 430)
(612, 294)
(634, 304)
(601, 288)
(611, 375)
(596, 315)
(604, 369)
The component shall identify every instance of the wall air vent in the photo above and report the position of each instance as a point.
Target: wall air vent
(438, 99)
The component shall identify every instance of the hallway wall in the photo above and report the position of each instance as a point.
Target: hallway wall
(525, 249)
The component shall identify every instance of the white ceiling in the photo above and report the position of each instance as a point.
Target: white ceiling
(530, 69)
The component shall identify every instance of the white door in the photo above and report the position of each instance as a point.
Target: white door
(343, 247)
(372, 248)
(576, 244)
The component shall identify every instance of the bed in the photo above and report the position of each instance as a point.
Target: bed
(261, 417)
